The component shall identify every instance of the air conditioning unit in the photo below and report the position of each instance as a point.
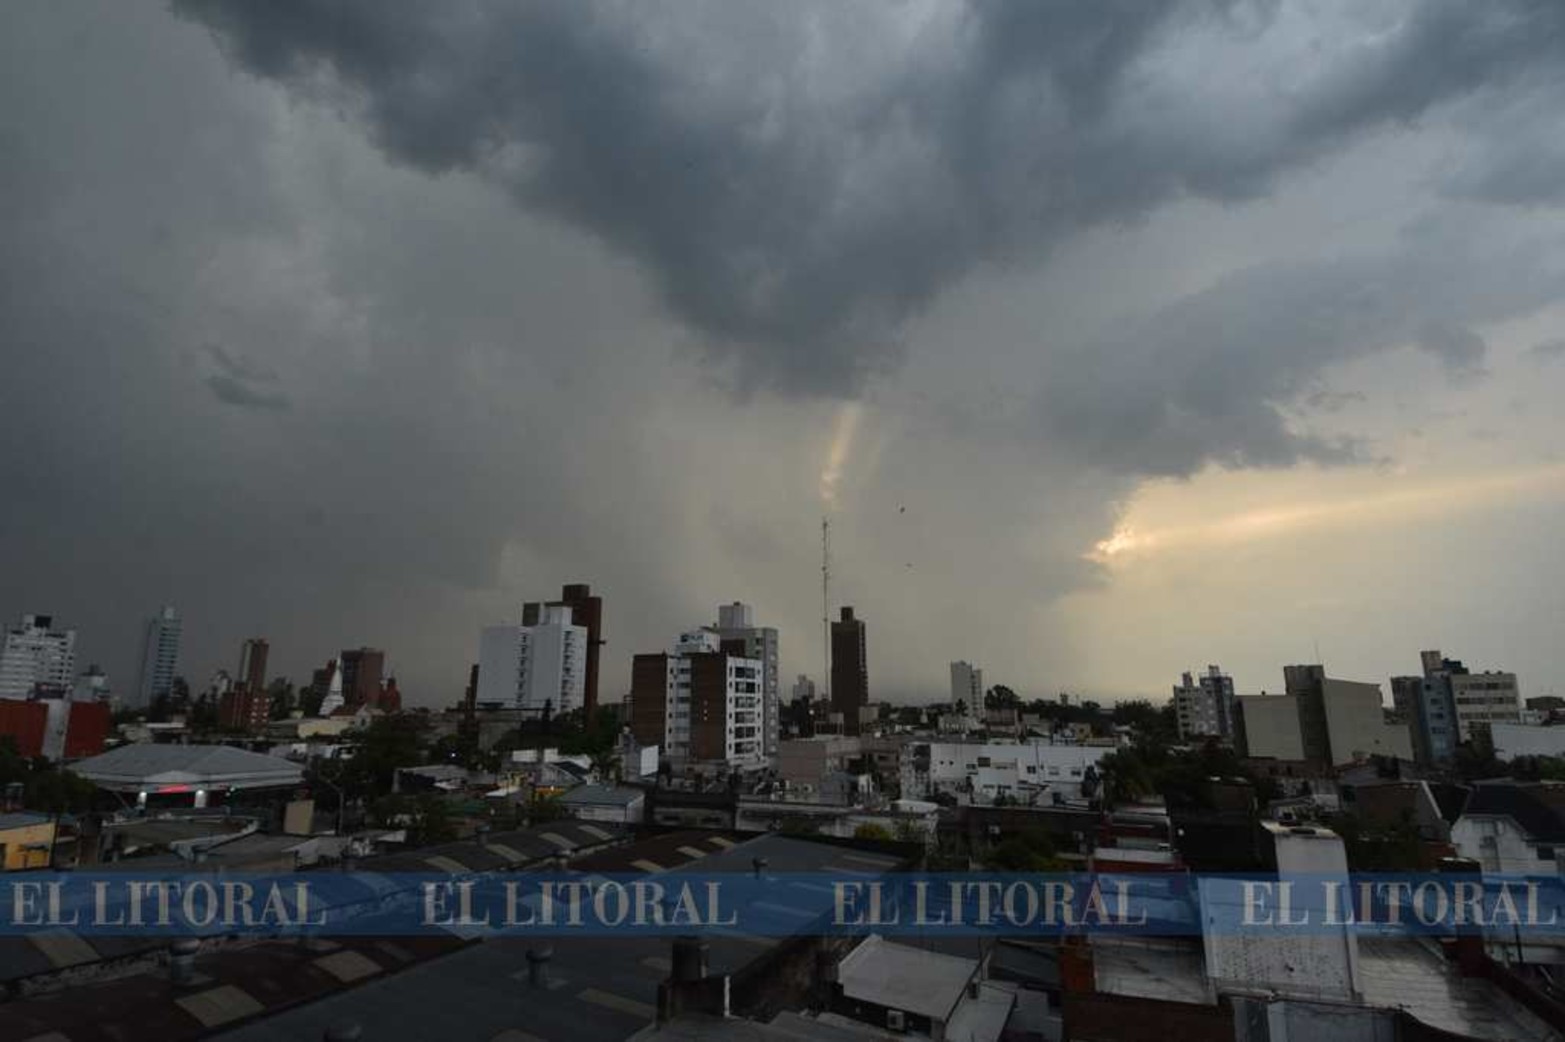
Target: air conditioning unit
(896, 1020)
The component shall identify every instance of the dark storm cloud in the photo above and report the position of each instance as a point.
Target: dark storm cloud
(244, 383)
(1205, 379)
(233, 391)
(797, 234)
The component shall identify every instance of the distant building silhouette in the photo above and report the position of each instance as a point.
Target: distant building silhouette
(849, 670)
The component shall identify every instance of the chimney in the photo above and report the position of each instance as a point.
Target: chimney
(759, 864)
(343, 1031)
(690, 959)
(182, 961)
(538, 966)
(481, 834)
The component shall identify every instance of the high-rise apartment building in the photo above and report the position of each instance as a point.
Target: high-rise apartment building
(159, 656)
(244, 709)
(1450, 705)
(361, 670)
(741, 636)
(849, 670)
(702, 704)
(967, 685)
(1204, 705)
(586, 611)
(36, 657)
(247, 706)
(540, 665)
(1482, 699)
(252, 663)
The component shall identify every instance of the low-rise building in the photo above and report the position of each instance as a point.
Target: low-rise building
(1513, 827)
(1023, 772)
(616, 804)
(26, 840)
(806, 763)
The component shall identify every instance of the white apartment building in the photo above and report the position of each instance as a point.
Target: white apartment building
(533, 667)
(159, 656)
(1483, 699)
(34, 654)
(1203, 706)
(703, 705)
(736, 621)
(967, 685)
(978, 772)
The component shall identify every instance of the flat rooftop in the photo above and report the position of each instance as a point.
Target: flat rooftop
(1408, 973)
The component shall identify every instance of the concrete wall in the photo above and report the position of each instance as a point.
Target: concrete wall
(1271, 726)
(1356, 724)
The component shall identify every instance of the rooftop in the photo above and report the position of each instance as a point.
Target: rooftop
(603, 795)
(22, 819)
(1408, 973)
(145, 765)
(897, 976)
(1538, 807)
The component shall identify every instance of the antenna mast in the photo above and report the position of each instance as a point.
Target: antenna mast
(825, 606)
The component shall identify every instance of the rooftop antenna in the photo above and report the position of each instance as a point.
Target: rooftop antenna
(825, 606)
(1318, 661)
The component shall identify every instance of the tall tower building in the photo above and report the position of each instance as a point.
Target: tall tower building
(967, 685)
(587, 612)
(742, 637)
(538, 665)
(159, 656)
(1204, 706)
(849, 670)
(361, 670)
(252, 663)
(35, 655)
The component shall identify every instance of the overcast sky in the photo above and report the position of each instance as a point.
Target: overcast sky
(1116, 338)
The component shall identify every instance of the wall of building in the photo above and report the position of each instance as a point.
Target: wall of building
(1356, 725)
(32, 653)
(1271, 726)
(1319, 963)
(1499, 845)
(806, 761)
(1513, 740)
(15, 841)
(1484, 699)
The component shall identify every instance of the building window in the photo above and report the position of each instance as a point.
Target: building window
(1545, 853)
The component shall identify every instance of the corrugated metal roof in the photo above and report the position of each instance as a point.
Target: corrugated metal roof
(213, 763)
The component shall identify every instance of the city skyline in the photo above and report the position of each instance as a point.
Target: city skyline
(1240, 339)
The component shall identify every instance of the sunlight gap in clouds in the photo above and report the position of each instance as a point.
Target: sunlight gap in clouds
(1151, 525)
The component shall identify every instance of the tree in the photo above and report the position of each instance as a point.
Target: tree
(543, 809)
(1001, 697)
(387, 743)
(1029, 851)
(870, 830)
(282, 696)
